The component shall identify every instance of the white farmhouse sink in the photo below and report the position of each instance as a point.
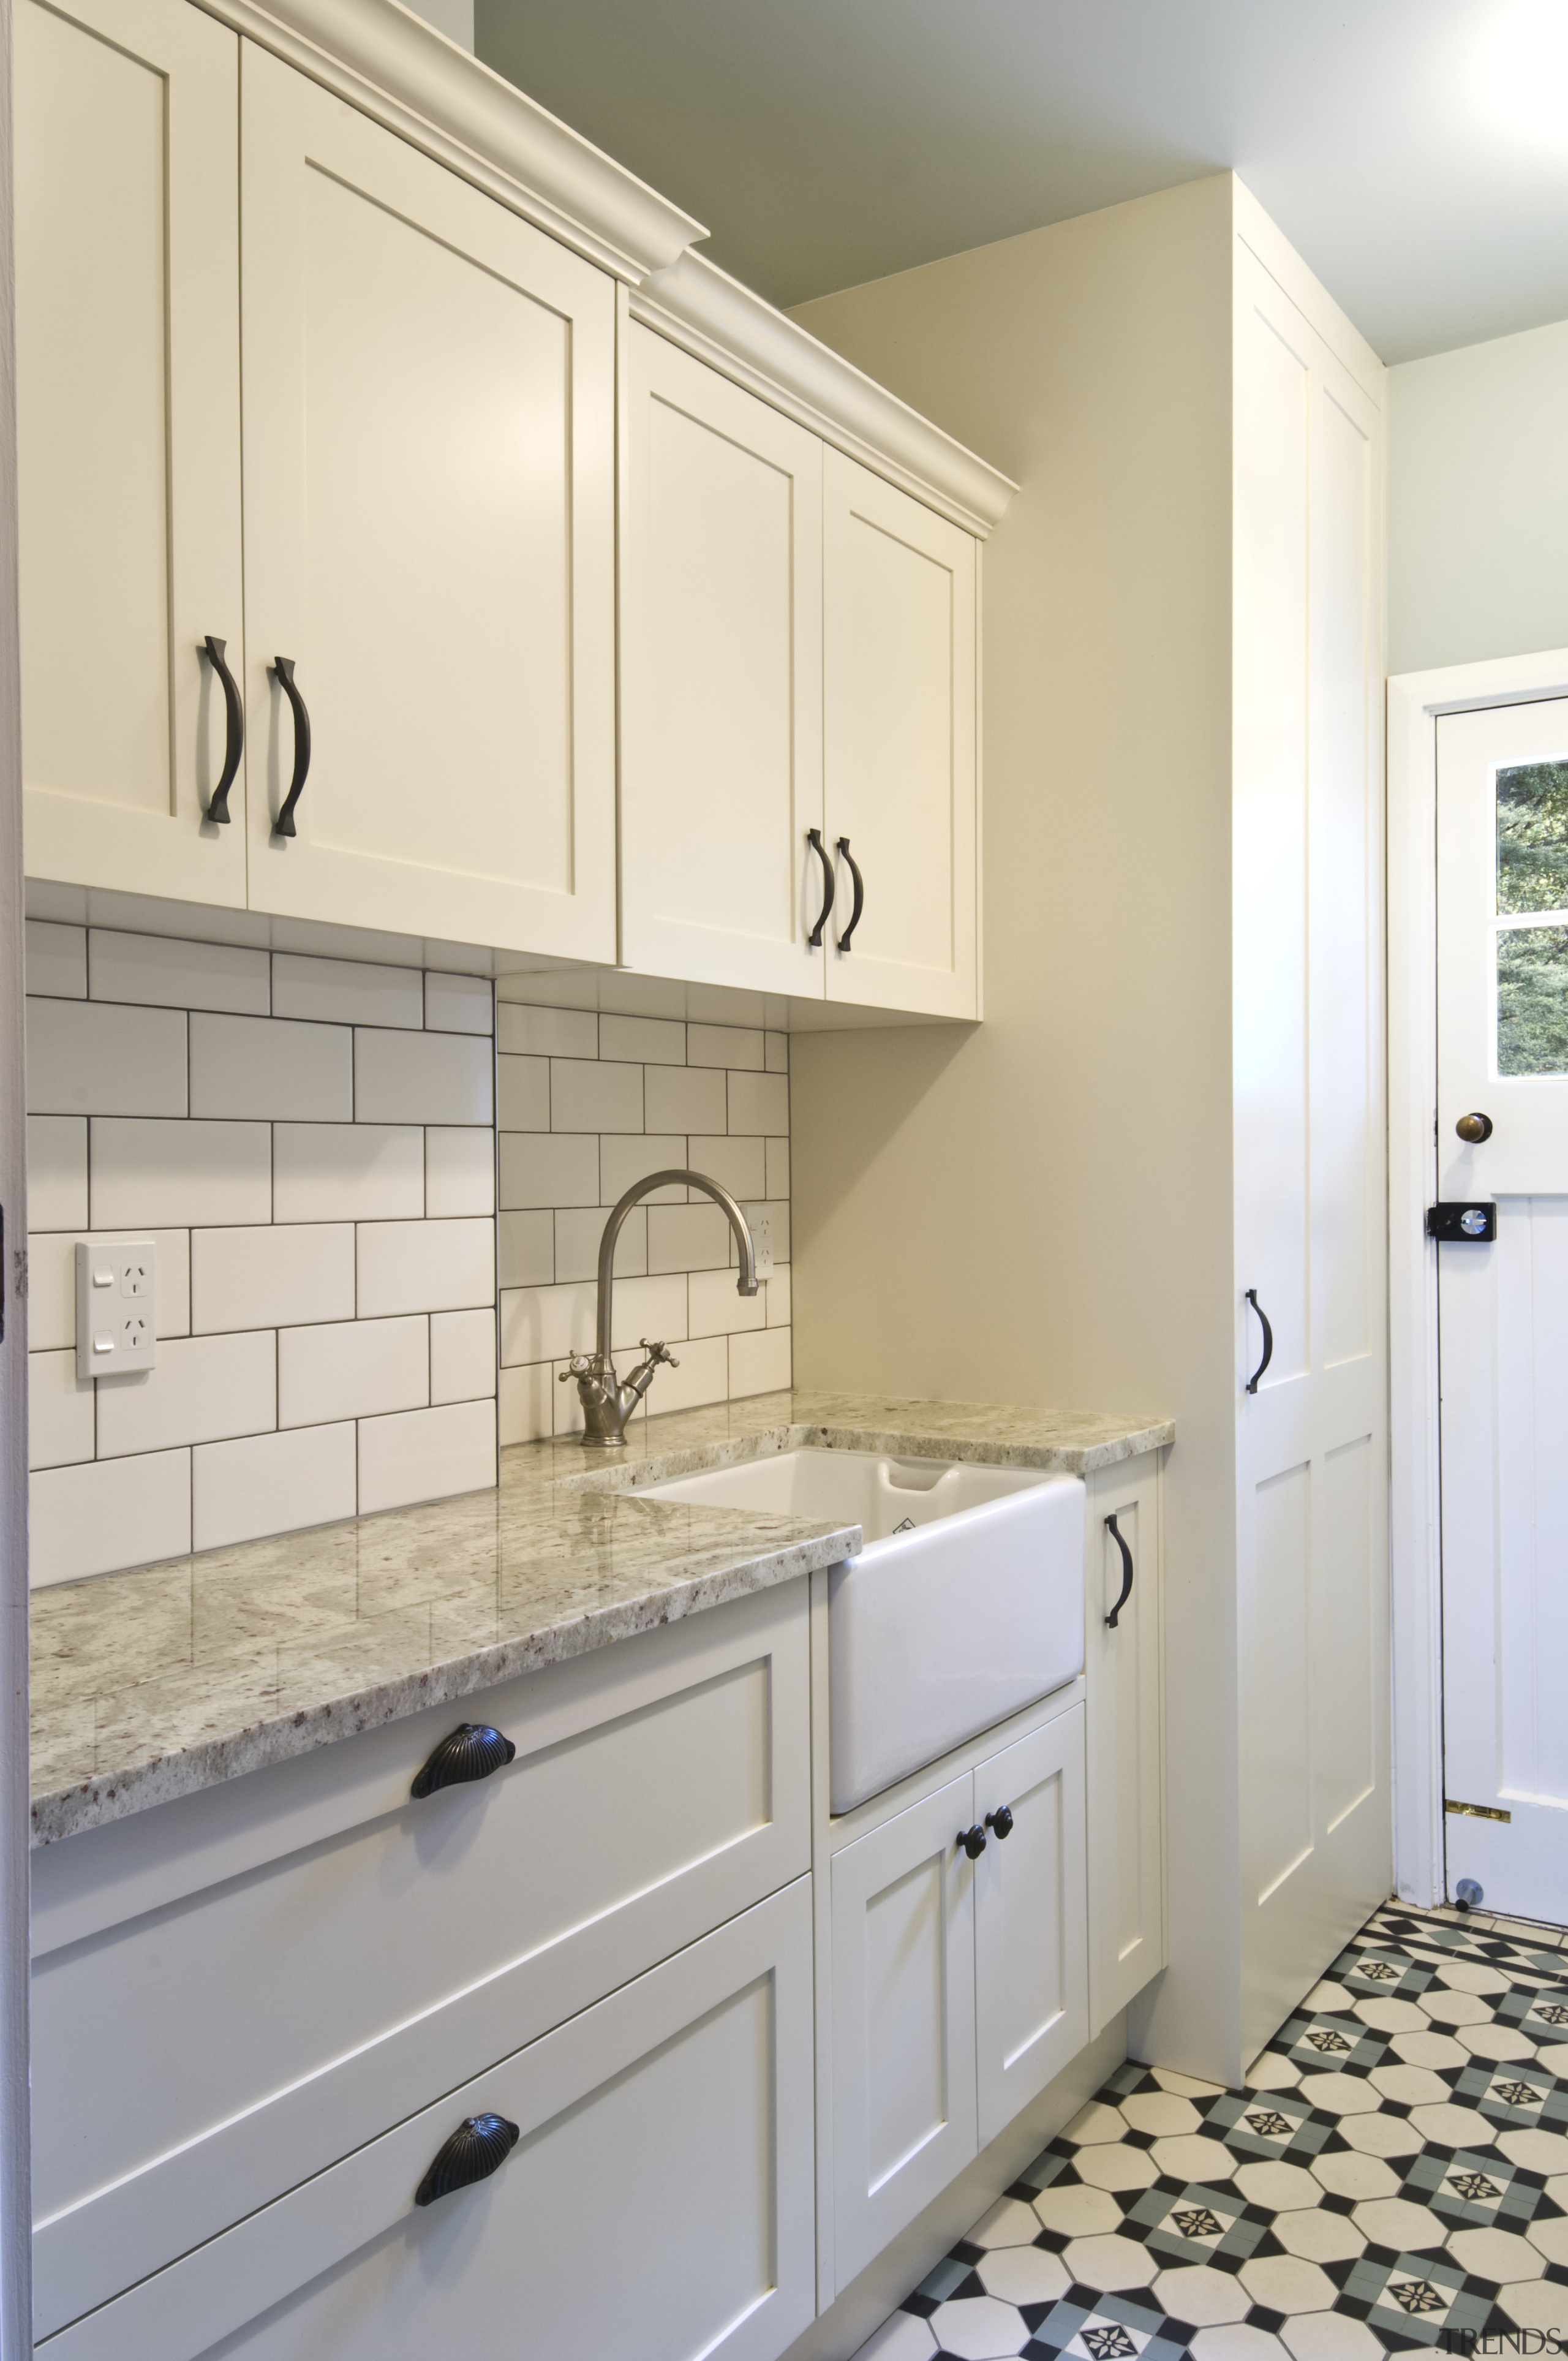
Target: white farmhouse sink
(965, 1604)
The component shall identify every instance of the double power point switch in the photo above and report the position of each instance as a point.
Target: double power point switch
(116, 1301)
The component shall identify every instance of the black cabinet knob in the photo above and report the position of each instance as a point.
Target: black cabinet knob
(474, 2150)
(999, 1823)
(973, 1841)
(472, 1752)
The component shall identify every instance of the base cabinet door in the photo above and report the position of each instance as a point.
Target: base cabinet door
(429, 389)
(899, 749)
(1031, 1957)
(1125, 1737)
(128, 369)
(903, 2054)
(657, 2203)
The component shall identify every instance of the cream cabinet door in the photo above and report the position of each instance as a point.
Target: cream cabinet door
(429, 515)
(1031, 1959)
(899, 722)
(1125, 1735)
(721, 680)
(127, 364)
(903, 2053)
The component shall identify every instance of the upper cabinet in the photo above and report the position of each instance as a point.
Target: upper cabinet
(128, 336)
(429, 542)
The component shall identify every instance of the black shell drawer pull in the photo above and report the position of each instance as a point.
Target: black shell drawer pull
(233, 730)
(476, 2148)
(1115, 1530)
(472, 1752)
(283, 673)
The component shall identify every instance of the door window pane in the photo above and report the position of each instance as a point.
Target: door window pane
(1532, 841)
(1532, 1000)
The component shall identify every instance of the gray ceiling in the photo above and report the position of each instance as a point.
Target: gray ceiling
(1414, 151)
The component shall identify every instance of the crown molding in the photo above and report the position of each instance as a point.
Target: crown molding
(390, 64)
(712, 316)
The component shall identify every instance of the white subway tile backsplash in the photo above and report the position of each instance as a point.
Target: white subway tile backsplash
(271, 1484)
(52, 1285)
(714, 1309)
(87, 1059)
(422, 1078)
(352, 1369)
(703, 1376)
(108, 1513)
(586, 1095)
(425, 1267)
(546, 1032)
(687, 1237)
(159, 972)
(56, 959)
(522, 1094)
(271, 1277)
(459, 1172)
(626, 1157)
(546, 1324)
(272, 1067)
(60, 1410)
(347, 991)
(526, 1405)
(347, 1172)
(685, 1100)
(527, 1249)
(645, 1040)
(145, 1174)
(458, 1004)
(778, 1168)
(57, 1171)
(775, 1052)
(425, 1454)
(462, 1355)
(758, 1362)
(202, 1389)
(649, 1307)
(778, 1294)
(724, 1045)
(552, 1168)
(738, 1164)
(578, 1232)
(759, 1103)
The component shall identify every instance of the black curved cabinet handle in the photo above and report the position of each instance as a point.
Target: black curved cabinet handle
(476, 2148)
(473, 1751)
(860, 894)
(1115, 1530)
(1267, 1340)
(813, 838)
(233, 730)
(973, 1841)
(999, 1823)
(283, 673)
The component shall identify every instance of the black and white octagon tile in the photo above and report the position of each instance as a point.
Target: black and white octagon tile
(1394, 2175)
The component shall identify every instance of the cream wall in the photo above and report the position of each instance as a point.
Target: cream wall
(1478, 502)
(1037, 1210)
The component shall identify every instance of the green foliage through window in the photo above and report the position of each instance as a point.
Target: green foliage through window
(1532, 999)
(1532, 841)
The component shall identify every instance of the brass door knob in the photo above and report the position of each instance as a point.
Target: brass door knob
(1473, 1128)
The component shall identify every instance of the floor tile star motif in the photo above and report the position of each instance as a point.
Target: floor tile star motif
(1394, 2178)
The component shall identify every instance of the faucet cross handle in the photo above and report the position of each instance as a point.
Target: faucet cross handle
(659, 1352)
(578, 1365)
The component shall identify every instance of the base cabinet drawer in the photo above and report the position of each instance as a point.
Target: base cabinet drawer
(195, 2061)
(657, 2204)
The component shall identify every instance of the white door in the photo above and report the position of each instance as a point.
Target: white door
(1502, 801)
(903, 2053)
(127, 389)
(1124, 1738)
(899, 665)
(1031, 1918)
(721, 681)
(428, 522)
(1311, 1225)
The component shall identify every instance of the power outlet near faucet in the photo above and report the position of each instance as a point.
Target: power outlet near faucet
(116, 1306)
(760, 1222)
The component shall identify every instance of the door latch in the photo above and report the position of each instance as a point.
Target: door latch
(1457, 1223)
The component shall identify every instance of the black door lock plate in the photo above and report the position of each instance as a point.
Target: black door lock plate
(1459, 1223)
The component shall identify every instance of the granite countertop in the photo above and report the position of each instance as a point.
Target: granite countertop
(153, 1684)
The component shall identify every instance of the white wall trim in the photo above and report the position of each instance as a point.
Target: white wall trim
(1415, 701)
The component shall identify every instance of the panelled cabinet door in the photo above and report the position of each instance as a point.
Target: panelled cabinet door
(127, 363)
(429, 515)
(1124, 1743)
(1031, 1976)
(899, 763)
(904, 2088)
(721, 680)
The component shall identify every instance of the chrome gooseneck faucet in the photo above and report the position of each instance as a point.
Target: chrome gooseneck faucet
(608, 1405)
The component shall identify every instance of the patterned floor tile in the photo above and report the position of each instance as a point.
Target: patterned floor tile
(1394, 2179)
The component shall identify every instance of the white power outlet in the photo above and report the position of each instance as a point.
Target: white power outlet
(116, 1306)
(760, 1222)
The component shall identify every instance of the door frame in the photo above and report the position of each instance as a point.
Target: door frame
(1416, 702)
